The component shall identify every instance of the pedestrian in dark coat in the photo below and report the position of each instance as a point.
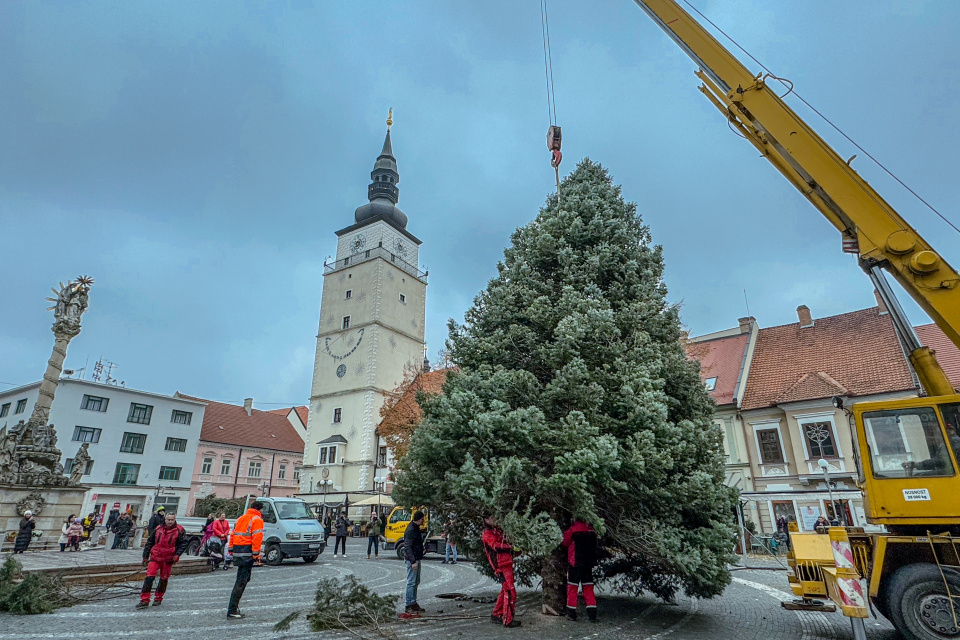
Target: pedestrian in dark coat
(121, 529)
(164, 547)
(156, 519)
(326, 527)
(343, 529)
(112, 519)
(27, 525)
(412, 556)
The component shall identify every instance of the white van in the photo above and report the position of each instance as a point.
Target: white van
(290, 530)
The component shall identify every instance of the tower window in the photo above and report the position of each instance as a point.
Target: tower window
(337, 414)
(403, 299)
(346, 261)
(346, 322)
(348, 294)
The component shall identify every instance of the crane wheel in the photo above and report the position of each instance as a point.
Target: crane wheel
(919, 604)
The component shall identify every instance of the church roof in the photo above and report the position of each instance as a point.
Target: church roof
(383, 192)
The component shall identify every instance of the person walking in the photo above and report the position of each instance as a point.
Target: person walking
(167, 542)
(25, 534)
(412, 555)
(451, 538)
(374, 530)
(74, 533)
(112, 519)
(500, 556)
(64, 536)
(580, 541)
(156, 519)
(121, 529)
(326, 528)
(342, 529)
(245, 544)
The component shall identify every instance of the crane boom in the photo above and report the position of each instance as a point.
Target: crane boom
(884, 240)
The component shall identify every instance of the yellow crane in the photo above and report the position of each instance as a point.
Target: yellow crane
(907, 451)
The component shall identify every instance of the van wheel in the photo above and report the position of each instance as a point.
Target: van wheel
(400, 551)
(273, 555)
(919, 604)
(309, 559)
(193, 547)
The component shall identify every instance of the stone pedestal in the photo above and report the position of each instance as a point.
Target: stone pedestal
(58, 503)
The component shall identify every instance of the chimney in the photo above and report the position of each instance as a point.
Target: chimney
(881, 305)
(248, 405)
(806, 320)
(746, 323)
(684, 337)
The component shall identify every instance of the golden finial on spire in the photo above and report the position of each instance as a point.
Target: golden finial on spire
(390, 119)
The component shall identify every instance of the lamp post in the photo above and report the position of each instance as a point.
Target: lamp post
(826, 477)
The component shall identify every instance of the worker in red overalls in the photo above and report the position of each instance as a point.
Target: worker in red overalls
(167, 542)
(500, 556)
(580, 540)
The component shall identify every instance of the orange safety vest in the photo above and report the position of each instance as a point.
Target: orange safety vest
(247, 535)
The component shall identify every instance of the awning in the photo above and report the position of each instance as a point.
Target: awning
(382, 500)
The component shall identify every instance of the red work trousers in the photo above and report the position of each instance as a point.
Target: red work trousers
(506, 605)
(580, 578)
(164, 569)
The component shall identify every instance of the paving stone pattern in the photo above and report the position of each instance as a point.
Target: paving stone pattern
(195, 607)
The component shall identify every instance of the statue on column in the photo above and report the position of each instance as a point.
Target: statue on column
(28, 452)
(80, 462)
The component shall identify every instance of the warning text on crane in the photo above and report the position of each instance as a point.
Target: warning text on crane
(913, 495)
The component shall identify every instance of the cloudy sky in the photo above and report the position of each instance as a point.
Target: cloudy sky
(196, 159)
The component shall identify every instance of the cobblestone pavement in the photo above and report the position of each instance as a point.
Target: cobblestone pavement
(195, 608)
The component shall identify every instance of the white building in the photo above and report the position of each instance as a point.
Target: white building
(372, 315)
(142, 445)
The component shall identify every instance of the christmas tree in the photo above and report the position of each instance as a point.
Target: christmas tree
(573, 397)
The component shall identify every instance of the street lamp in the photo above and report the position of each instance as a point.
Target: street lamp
(826, 477)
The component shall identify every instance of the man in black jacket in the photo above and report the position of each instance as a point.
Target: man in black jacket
(156, 519)
(412, 554)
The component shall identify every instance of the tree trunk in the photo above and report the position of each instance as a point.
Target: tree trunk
(554, 575)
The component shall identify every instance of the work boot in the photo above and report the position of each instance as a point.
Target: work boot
(143, 604)
(592, 614)
(157, 603)
(236, 614)
(496, 619)
(513, 624)
(571, 614)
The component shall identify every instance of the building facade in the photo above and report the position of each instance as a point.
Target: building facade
(142, 445)
(790, 419)
(725, 358)
(371, 332)
(244, 451)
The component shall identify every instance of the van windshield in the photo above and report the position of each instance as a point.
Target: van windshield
(294, 511)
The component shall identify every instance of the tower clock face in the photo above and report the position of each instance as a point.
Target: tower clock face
(358, 243)
(341, 346)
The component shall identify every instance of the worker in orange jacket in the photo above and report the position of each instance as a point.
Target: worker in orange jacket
(245, 546)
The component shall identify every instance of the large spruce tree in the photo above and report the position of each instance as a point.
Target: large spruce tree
(574, 398)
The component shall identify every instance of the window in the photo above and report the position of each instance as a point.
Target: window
(348, 294)
(181, 417)
(126, 473)
(170, 473)
(296, 474)
(346, 261)
(818, 437)
(920, 434)
(268, 514)
(282, 472)
(140, 413)
(21, 406)
(403, 299)
(225, 467)
(5, 409)
(382, 457)
(253, 469)
(172, 503)
(770, 450)
(328, 455)
(400, 515)
(710, 384)
(86, 434)
(68, 467)
(94, 403)
(346, 322)
(176, 444)
(337, 415)
(133, 442)
(207, 465)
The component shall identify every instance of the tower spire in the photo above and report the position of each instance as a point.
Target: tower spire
(382, 191)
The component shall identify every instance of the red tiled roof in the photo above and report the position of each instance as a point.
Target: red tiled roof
(947, 353)
(720, 359)
(230, 424)
(851, 354)
(302, 413)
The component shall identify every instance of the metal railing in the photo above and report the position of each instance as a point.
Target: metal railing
(373, 254)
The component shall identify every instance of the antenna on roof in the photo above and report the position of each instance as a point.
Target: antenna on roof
(746, 302)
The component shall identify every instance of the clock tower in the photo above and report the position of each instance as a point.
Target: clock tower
(372, 314)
